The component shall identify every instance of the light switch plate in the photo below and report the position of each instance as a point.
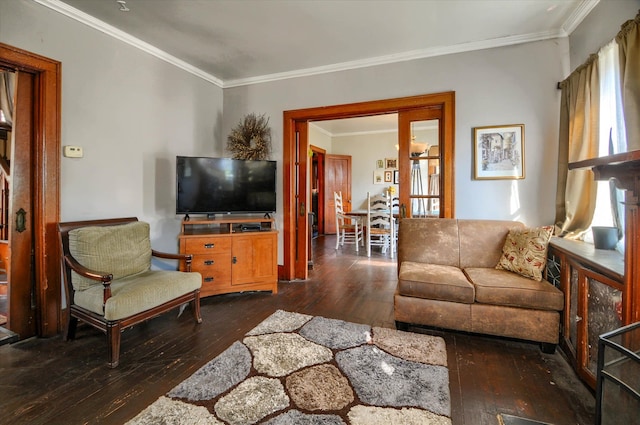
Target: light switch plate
(73, 152)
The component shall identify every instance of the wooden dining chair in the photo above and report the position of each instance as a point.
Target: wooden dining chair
(380, 224)
(349, 228)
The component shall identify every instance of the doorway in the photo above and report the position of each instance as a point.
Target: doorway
(317, 190)
(337, 179)
(296, 163)
(33, 265)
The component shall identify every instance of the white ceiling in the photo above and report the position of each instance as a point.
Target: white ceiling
(235, 42)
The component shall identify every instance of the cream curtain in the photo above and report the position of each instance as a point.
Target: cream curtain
(578, 140)
(6, 94)
(629, 43)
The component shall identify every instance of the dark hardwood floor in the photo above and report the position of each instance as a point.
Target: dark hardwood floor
(49, 381)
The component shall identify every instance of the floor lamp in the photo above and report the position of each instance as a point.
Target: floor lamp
(417, 186)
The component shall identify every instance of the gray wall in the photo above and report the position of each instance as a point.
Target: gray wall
(132, 114)
(509, 85)
(600, 27)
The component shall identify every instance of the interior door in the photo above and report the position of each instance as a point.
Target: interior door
(317, 188)
(302, 198)
(422, 163)
(21, 213)
(337, 174)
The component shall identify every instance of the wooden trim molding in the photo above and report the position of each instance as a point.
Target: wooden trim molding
(294, 143)
(46, 180)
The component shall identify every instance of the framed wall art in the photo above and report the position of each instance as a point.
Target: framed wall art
(396, 177)
(378, 177)
(380, 163)
(391, 163)
(498, 152)
(388, 176)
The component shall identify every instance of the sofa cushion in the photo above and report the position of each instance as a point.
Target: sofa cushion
(501, 287)
(138, 293)
(525, 251)
(434, 281)
(122, 250)
(433, 241)
(481, 241)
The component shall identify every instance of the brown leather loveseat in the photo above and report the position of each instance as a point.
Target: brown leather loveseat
(447, 278)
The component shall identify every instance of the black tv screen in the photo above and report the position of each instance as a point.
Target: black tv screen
(206, 185)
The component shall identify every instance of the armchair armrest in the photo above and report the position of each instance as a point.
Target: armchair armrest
(103, 277)
(187, 258)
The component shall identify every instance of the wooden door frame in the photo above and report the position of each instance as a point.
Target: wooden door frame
(291, 119)
(46, 181)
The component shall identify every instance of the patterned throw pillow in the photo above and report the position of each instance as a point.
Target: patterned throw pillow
(525, 251)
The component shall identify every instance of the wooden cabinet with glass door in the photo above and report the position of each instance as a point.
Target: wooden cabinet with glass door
(601, 294)
(592, 282)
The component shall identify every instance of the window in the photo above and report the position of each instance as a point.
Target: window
(612, 138)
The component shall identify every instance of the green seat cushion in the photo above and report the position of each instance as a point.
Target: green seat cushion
(122, 250)
(138, 293)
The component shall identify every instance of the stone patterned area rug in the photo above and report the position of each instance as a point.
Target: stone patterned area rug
(296, 369)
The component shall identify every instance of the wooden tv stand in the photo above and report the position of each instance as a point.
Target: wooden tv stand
(233, 254)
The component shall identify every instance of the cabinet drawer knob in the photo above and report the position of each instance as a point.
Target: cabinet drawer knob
(208, 279)
(209, 245)
(209, 262)
(234, 260)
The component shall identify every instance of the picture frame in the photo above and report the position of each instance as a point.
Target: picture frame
(388, 176)
(391, 163)
(498, 152)
(380, 163)
(378, 177)
(396, 177)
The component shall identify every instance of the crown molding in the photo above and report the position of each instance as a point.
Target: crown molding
(585, 7)
(320, 129)
(398, 57)
(578, 15)
(114, 32)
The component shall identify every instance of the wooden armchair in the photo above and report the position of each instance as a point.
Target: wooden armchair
(108, 279)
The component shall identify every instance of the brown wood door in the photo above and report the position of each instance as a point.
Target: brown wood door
(21, 214)
(317, 187)
(43, 167)
(337, 174)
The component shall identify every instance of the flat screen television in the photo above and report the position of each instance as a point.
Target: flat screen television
(206, 185)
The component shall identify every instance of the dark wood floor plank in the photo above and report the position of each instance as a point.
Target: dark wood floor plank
(44, 381)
